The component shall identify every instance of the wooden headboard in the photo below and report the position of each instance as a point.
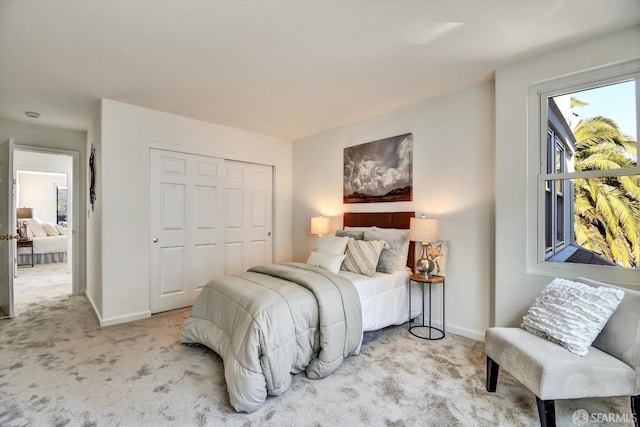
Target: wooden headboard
(382, 220)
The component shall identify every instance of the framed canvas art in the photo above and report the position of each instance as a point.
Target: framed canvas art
(379, 171)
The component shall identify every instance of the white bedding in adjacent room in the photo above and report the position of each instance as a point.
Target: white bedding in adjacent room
(384, 298)
(50, 244)
(45, 250)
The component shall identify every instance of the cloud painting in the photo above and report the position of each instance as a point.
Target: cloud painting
(379, 171)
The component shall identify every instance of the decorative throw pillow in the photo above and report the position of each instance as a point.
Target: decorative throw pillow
(362, 256)
(35, 229)
(352, 234)
(61, 230)
(50, 229)
(329, 262)
(438, 253)
(395, 257)
(572, 314)
(331, 245)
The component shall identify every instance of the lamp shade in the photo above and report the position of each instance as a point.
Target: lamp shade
(319, 225)
(423, 229)
(23, 213)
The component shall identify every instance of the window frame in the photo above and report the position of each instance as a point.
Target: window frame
(556, 189)
(537, 174)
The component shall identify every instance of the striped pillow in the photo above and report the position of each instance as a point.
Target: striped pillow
(362, 256)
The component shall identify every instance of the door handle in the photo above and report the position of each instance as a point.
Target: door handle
(155, 240)
(269, 234)
(9, 236)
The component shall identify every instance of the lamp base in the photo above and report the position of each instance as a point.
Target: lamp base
(424, 267)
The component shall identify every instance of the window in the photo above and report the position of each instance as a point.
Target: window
(588, 203)
(62, 201)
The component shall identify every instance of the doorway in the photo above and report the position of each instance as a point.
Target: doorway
(44, 262)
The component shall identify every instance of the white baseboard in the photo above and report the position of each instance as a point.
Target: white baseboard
(125, 319)
(119, 319)
(469, 333)
(465, 332)
(93, 306)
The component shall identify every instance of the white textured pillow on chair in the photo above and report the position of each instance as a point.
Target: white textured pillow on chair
(329, 262)
(572, 314)
(362, 256)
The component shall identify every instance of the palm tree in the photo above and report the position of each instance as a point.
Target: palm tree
(606, 210)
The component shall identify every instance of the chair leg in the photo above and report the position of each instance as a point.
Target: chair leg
(546, 412)
(635, 409)
(492, 374)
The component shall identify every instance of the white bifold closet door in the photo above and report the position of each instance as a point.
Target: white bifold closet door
(209, 217)
(248, 215)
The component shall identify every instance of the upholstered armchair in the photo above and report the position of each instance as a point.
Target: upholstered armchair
(611, 367)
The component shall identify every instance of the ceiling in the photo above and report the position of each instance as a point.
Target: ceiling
(289, 69)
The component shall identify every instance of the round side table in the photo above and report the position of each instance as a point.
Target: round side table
(427, 329)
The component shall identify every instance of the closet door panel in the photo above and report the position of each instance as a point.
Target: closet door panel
(209, 217)
(185, 234)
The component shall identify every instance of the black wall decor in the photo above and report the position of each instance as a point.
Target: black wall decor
(92, 177)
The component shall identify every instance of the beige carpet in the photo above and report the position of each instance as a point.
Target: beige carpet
(57, 368)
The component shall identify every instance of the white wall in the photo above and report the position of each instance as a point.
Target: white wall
(127, 133)
(93, 215)
(38, 191)
(453, 180)
(42, 162)
(515, 288)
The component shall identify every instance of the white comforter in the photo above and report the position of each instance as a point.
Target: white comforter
(384, 298)
(50, 244)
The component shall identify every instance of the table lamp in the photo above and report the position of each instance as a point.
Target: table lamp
(23, 213)
(423, 230)
(320, 225)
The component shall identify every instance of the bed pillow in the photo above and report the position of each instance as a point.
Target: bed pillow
(331, 245)
(50, 229)
(395, 257)
(362, 256)
(34, 228)
(572, 314)
(350, 228)
(61, 230)
(352, 234)
(329, 262)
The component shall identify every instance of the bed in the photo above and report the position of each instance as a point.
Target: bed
(45, 250)
(276, 321)
(383, 289)
(49, 244)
